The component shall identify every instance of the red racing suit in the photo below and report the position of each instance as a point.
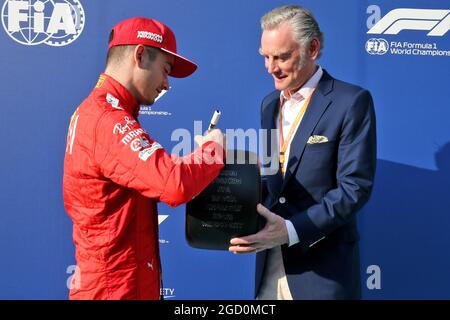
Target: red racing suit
(114, 175)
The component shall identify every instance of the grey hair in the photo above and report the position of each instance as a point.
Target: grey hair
(303, 23)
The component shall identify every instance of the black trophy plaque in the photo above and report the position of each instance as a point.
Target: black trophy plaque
(227, 207)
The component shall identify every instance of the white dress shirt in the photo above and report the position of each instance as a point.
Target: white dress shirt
(290, 109)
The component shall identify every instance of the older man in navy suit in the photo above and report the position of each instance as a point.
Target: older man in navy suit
(326, 149)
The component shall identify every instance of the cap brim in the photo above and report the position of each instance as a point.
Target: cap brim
(182, 67)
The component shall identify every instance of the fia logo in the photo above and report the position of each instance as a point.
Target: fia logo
(436, 21)
(54, 23)
(377, 46)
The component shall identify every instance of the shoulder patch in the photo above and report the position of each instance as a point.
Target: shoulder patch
(113, 101)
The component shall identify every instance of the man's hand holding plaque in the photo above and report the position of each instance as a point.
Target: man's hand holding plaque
(273, 234)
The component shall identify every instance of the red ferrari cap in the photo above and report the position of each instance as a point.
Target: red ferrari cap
(153, 33)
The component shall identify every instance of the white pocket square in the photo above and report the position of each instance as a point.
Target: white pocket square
(317, 139)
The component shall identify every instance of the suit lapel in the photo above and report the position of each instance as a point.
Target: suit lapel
(318, 104)
(269, 118)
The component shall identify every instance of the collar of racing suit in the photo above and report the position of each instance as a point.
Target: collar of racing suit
(116, 94)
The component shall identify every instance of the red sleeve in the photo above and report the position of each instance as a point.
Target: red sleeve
(127, 155)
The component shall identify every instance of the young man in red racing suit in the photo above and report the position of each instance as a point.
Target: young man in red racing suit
(115, 173)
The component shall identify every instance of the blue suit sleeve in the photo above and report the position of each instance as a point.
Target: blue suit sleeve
(356, 163)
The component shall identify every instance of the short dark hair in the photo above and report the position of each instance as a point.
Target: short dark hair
(117, 53)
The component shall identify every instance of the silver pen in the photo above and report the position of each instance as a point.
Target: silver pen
(214, 120)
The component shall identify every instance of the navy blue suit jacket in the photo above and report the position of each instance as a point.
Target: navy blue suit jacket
(325, 185)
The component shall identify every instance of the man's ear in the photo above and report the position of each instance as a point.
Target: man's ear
(138, 54)
(314, 48)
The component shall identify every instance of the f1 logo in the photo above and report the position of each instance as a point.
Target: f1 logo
(162, 217)
(433, 20)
